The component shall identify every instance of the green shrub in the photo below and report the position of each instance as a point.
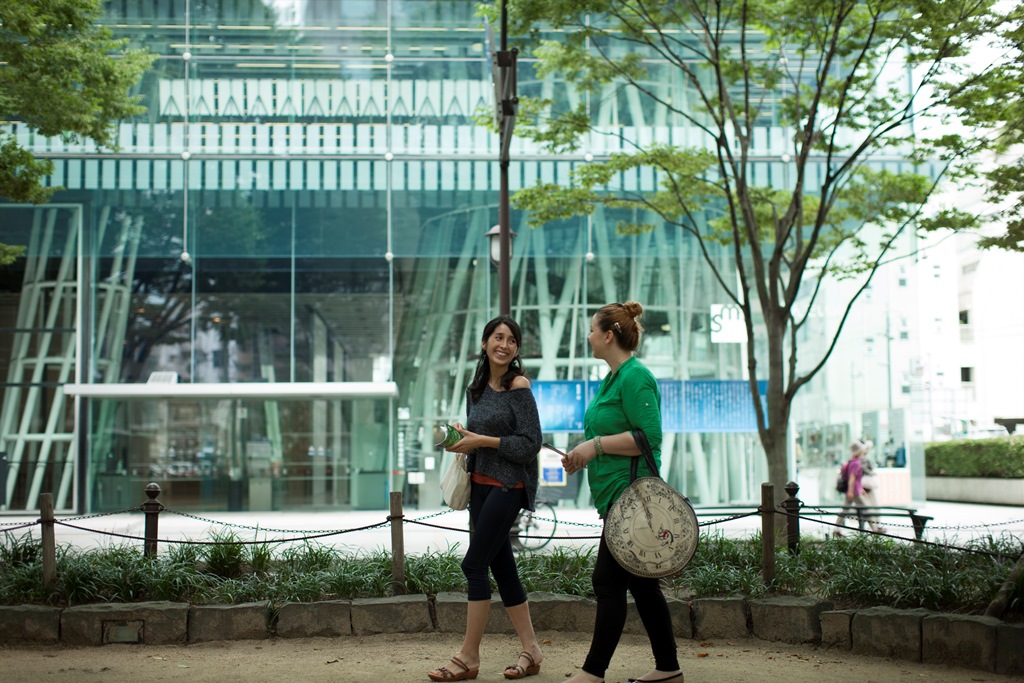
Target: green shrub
(1002, 458)
(858, 571)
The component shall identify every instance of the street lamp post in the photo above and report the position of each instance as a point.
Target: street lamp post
(506, 102)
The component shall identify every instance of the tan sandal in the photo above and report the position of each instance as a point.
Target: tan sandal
(445, 674)
(515, 671)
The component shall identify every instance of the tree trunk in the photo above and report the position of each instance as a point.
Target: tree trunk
(775, 436)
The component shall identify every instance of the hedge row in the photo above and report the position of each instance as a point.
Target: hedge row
(1001, 458)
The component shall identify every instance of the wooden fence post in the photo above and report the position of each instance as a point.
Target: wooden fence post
(49, 541)
(152, 508)
(768, 533)
(397, 545)
(792, 507)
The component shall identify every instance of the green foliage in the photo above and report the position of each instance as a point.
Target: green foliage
(19, 551)
(21, 569)
(860, 571)
(561, 570)
(185, 555)
(309, 558)
(993, 101)
(435, 572)
(9, 254)
(224, 558)
(364, 575)
(62, 75)
(856, 572)
(1001, 457)
(124, 574)
(829, 74)
(261, 558)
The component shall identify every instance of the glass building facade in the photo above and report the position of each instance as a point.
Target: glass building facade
(274, 290)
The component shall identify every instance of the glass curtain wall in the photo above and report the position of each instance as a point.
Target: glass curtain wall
(306, 200)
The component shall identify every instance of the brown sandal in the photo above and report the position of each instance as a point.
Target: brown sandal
(445, 674)
(515, 671)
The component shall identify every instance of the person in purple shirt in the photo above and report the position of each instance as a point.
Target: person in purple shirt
(853, 471)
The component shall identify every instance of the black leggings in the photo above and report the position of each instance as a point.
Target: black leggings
(610, 584)
(493, 509)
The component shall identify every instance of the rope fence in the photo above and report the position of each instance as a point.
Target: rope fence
(791, 510)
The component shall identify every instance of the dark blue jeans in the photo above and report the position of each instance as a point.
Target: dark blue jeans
(611, 582)
(493, 509)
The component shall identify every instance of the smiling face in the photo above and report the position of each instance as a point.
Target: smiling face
(501, 347)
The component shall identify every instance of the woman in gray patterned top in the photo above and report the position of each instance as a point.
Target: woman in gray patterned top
(502, 437)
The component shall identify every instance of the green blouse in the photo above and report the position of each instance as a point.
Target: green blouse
(627, 399)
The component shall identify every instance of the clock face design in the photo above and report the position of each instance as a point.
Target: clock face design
(651, 530)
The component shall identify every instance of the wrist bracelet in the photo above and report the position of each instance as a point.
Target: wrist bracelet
(597, 446)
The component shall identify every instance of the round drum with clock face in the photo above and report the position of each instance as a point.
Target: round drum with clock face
(651, 530)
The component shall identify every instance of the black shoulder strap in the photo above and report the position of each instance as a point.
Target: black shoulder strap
(645, 451)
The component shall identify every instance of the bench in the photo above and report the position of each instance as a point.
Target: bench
(862, 512)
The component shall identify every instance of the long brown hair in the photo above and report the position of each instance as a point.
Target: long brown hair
(482, 375)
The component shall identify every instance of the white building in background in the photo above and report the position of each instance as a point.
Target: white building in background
(990, 346)
(932, 350)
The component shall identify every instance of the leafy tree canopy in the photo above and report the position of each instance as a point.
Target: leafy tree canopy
(871, 95)
(61, 75)
(994, 101)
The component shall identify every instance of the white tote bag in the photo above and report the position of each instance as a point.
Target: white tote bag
(455, 485)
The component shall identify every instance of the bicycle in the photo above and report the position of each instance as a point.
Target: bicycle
(534, 529)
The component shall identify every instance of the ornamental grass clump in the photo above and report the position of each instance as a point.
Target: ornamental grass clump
(858, 571)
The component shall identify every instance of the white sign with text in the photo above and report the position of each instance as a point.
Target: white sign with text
(727, 326)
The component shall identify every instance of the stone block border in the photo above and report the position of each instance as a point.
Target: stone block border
(916, 635)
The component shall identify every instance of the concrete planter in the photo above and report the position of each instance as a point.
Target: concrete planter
(975, 490)
(974, 642)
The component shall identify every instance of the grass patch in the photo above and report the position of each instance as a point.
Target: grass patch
(859, 571)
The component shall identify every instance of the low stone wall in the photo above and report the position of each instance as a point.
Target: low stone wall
(915, 635)
(975, 490)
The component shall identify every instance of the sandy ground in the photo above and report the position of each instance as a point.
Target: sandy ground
(405, 658)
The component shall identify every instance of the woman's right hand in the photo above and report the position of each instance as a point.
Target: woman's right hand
(576, 459)
(463, 445)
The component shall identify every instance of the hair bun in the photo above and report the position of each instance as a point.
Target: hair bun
(633, 309)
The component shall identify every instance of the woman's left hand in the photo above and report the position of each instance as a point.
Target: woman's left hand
(576, 459)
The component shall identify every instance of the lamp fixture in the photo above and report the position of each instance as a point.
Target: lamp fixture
(494, 244)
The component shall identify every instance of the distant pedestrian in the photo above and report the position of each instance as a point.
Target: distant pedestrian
(853, 472)
(869, 483)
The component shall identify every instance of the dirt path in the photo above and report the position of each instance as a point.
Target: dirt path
(405, 658)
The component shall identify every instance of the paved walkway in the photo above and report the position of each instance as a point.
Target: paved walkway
(406, 658)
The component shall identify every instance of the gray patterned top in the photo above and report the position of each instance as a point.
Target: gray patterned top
(512, 416)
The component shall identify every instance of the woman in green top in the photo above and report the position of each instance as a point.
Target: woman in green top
(627, 399)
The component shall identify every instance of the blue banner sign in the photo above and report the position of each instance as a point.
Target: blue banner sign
(720, 405)
(690, 406)
(561, 404)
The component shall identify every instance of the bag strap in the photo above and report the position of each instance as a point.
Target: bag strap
(645, 451)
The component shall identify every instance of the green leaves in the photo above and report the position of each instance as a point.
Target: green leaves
(820, 131)
(63, 76)
(681, 173)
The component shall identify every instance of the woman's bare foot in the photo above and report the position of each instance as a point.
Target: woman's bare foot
(458, 668)
(528, 664)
